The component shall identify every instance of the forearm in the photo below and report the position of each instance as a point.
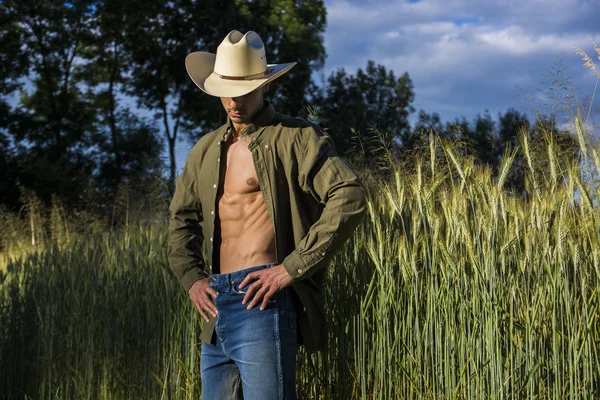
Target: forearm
(341, 215)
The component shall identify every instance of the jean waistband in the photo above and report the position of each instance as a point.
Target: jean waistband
(234, 278)
(229, 283)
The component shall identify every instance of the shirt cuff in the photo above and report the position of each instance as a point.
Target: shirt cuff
(295, 265)
(190, 277)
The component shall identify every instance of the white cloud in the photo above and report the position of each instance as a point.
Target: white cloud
(464, 56)
(515, 40)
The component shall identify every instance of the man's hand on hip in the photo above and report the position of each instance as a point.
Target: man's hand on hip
(202, 295)
(265, 283)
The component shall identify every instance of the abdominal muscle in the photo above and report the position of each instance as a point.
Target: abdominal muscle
(247, 236)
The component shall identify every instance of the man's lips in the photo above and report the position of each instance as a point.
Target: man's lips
(236, 114)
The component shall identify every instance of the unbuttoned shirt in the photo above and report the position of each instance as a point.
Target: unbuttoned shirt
(314, 199)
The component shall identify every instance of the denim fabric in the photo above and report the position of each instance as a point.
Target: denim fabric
(253, 353)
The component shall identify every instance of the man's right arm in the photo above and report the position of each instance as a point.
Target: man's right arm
(185, 232)
(185, 242)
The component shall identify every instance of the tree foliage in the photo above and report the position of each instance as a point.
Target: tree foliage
(74, 76)
(55, 121)
(487, 141)
(371, 101)
(79, 70)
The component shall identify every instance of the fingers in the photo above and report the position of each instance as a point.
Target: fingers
(264, 286)
(210, 307)
(263, 295)
(257, 297)
(201, 312)
(251, 292)
(266, 299)
(206, 308)
(202, 296)
(249, 278)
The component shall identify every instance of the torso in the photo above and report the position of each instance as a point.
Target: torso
(247, 237)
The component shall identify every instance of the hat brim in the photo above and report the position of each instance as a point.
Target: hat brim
(200, 67)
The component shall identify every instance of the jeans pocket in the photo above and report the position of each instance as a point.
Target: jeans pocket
(236, 289)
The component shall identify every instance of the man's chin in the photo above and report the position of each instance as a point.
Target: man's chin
(238, 120)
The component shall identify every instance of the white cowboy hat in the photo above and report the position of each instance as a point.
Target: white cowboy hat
(239, 67)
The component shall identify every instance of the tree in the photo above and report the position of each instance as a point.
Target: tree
(483, 140)
(546, 132)
(55, 121)
(419, 136)
(372, 100)
(128, 148)
(56, 140)
(511, 123)
(165, 32)
(13, 65)
(105, 70)
(139, 149)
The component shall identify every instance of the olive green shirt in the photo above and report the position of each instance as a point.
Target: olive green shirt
(314, 200)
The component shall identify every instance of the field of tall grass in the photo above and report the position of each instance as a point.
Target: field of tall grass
(452, 288)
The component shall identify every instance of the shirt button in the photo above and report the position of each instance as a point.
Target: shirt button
(215, 185)
(211, 239)
(299, 271)
(323, 254)
(219, 143)
(212, 213)
(266, 146)
(218, 159)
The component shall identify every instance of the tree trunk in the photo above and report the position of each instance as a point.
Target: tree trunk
(171, 142)
(113, 125)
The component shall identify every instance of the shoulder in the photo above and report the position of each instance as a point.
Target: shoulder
(294, 124)
(298, 130)
(301, 138)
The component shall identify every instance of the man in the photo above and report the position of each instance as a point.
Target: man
(275, 203)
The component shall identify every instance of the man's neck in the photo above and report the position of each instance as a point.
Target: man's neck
(238, 128)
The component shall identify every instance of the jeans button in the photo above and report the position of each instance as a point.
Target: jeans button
(213, 279)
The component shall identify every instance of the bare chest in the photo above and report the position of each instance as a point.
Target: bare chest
(240, 175)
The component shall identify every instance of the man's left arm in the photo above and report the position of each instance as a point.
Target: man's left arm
(325, 176)
(330, 181)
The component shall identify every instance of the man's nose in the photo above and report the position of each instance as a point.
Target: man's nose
(236, 101)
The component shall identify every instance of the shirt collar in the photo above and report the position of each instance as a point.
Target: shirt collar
(262, 119)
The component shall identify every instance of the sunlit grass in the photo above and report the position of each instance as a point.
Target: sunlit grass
(452, 288)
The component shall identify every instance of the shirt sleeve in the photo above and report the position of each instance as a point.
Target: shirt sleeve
(185, 232)
(323, 175)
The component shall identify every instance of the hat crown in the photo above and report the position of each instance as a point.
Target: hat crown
(241, 55)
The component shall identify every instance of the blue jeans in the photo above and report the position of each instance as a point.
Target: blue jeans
(253, 354)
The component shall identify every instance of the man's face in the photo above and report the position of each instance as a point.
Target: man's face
(242, 109)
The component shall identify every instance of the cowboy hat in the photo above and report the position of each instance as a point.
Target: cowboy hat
(239, 67)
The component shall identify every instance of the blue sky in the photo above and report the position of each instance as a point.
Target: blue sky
(466, 56)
